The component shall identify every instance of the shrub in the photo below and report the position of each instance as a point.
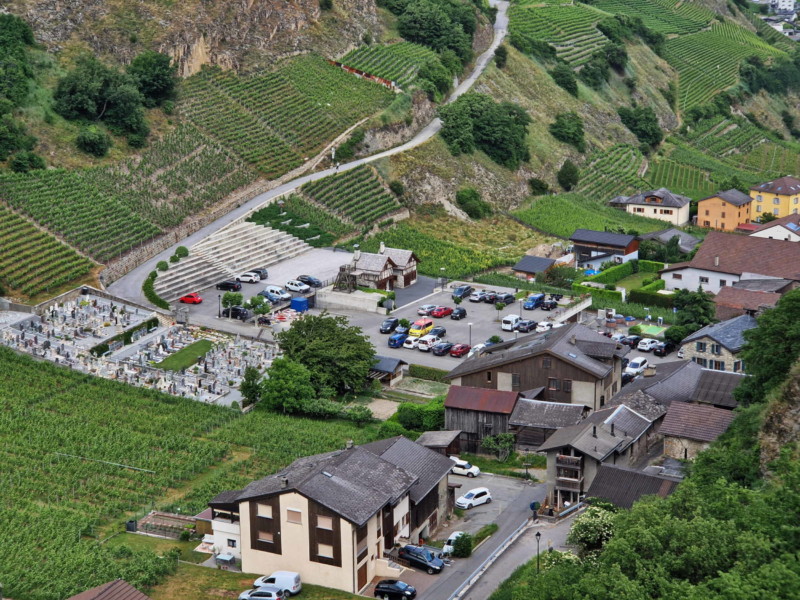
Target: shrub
(568, 175)
(564, 77)
(568, 128)
(162, 265)
(470, 202)
(181, 251)
(150, 294)
(397, 187)
(538, 187)
(391, 429)
(174, 258)
(429, 373)
(635, 330)
(462, 546)
(501, 56)
(94, 141)
(325, 4)
(643, 122)
(26, 161)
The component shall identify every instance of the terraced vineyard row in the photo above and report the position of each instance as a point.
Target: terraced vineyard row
(728, 137)
(303, 220)
(32, 261)
(358, 195)
(571, 29)
(395, 62)
(612, 173)
(680, 178)
(773, 157)
(664, 16)
(68, 202)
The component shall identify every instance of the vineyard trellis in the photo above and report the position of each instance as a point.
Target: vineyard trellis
(396, 62)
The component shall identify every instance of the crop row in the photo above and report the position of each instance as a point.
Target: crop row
(395, 62)
(357, 194)
(664, 16)
(682, 179)
(303, 220)
(773, 157)
(613, 173)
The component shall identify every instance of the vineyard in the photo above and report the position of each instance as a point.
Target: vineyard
(570, 29)
(612, 173)
(357, 195)
(561, 215)
(664, 16)
(395, 62)
(679, 178)
(302, 220)
(32, 261)
(708, 62)
(275, 120)
(56, 493)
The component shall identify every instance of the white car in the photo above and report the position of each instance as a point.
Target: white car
(647, 344)
(637, 365)
(297, 286)
(249, 277)
(544, 326)
(510, 322)
(269, 592)
(476, 350)
(288, 581)
(447, 549)
(474, 497)
(426, 342)
(278, 291)
(426, 309)
(462, 467)
(412, 342)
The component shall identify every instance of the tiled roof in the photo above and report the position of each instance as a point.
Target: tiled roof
(686, 241)
(790, 222)
(400, 257)
(668, 198)
(118, 589)
(785, 186)
(547, 415)
(623, 487)
(438, 439)
(696, 422)
(716, 387)
(737, 254)
(480, 399)
(762, 285)
(605, 238)
(734, 197)
(534, 264)
(729, 333)
(373, 263)
(735, 297)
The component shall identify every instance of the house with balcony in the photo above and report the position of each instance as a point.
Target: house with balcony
(660, 204)
(724, 211)
(332, 516)
(779, 197)
(717, 346)
(593, 248)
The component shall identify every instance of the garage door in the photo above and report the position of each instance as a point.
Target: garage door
(362, 576)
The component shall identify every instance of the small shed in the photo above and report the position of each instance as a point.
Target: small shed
(443, 442)
(530, 266)
(389, 371)
(478, 413)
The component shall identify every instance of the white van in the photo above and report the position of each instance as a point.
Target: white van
(426, 342)
(510, 322)
(288, 581)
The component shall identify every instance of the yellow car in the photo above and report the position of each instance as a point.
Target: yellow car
(421, 327)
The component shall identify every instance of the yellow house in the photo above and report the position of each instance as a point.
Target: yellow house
(724, 210)
(781, 197)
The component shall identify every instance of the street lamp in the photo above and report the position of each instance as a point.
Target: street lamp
(219, 306)
(470, 333)
(538, 537)
(444, 279)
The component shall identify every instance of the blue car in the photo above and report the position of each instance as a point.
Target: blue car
(273, 298)
(533, 301)
(396, 340)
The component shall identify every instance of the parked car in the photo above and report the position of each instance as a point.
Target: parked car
(411, 343)
(533, 301)
(462, 467)
(544, 326)
(680, 353)
(389, 325)
(266, 592)
(421, 327)
(647, 344)
(664, 348)
(288, 581)
(462, 291)
(229, 286)
(193, 298)
(489, 296)
(447, 549)
(618, 337)
(526, 325)
(477, 349)
(294, 285)
(394, 589)
(477, 296)
(632, 340)
(439, 331)
(505, 298)
(310, 281)
(278, 291)
(262, 273)
(637, 365)
(425, 309)
(474, 497)
(442, 348)
(272, 298)
(627, 378)
(556, 297)
(489, 342)
(422, 558)
(509, 322)
(441, 311)
(458, 313)
(427, 342)
(459, 350)
(402, 328)
(249, 277)
(236, 312)
(549, 305)
(396, 340)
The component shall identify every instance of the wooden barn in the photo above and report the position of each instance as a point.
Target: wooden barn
(443, 442)
(477, 413)
(533, 421)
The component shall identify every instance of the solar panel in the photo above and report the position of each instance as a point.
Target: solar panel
(793, 226)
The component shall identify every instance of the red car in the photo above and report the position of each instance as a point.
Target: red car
(441, 311)
(460, 350)
(193, 298)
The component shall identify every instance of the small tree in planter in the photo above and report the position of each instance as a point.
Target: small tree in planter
(499, 306)
(162, 265)
(462, 546)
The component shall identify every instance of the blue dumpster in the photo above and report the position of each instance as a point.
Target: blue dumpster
(299, 304)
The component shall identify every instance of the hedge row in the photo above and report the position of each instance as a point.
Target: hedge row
(649, 266)
(150, 293)
(614, 274)
(428, 373)
(596, 293)
(422, 417)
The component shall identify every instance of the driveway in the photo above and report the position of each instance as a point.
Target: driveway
(424, 286)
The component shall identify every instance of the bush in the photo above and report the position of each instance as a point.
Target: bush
(597, 293)
(501, 56)
(391, 429)
(643, 122)
(94, 141)
(162, 265)
(422, 417)
(429, 373)
(174, 258)
(325, 4)
(470, 202)
(635, 330)
(26, 161)
(568, 175)
(538, 187)
(564, 77)
(150, 294)
(181, 251)
(462, 546)
(397, 187)
(568, 128)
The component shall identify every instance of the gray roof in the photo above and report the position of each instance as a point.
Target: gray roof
(386, 364)
(399, 256)
(373, 263)
(729, 334)
(428, 466)
(547, 415)
(605, 238)
(686, 242)
(762, 285)
(696, 422)
(623, 487)
(734, 197)
(669, 199)
(534, 264)
(716, 387)
(438, 439)
(573, 343)
(119, 589)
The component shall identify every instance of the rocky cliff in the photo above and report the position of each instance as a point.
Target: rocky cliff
(234, 34)
(781, 429)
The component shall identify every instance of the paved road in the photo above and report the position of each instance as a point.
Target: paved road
(129, 286)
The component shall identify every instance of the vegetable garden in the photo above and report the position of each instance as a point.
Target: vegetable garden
(357, 194)
(395, 62)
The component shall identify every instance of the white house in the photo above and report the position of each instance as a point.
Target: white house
(786, 228)
(656, 204)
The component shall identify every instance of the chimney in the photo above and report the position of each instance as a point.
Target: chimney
(349, 444)
(612, 430)
(572, 340)
(356, 253)
(284, 482)
(716, 261)
(382, 248)
(594, 430)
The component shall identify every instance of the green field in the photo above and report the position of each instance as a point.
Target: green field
(303, 220)
(664, 16)
(186, 357)
(681, 179)
(395, 62)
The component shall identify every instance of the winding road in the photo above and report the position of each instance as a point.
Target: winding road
(129, 286)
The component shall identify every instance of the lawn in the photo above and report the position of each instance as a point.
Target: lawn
(159, 545)
(185, 358)
(633, 282)
(203, 583)
(513, 466)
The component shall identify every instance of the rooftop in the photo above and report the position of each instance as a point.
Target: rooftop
(734, 197)
(696, 422)
(480, 399)
(372, 263)
(605, 238)
(547, 415)
(438, 439)
(686, 242)
(534, 264)
(762, 285)
(668, 198)
(785, 186)
(623, 487)
(119, 589)
(790, 222)
(387, 364)
(736, 297)
(729, 334)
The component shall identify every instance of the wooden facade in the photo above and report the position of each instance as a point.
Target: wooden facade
(474, 425)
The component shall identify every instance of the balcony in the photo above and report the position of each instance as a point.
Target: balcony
(569, 461)
(573, 485)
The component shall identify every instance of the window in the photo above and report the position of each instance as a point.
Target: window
(722, 225)
(666, 211)
(706, 215)
(706, 223)
(265, 536)
(568, 385)
(722, 283)
(794, 201)
(553, 384)
(294, 516)
(231, 543)
(758, 209)
(704, 280)
(758, 197)
(324, 522)
(700, 361)
(406, 518)
(487, 429)
(700, 346)
(716, 349)
(723, 215)
(737, 366)
(488, 377)
(638, 209)
(775, 211)
(515, 381)
(325, 550)
(546, 363)
(776, 201)
(718, 365)
(677, 276)
(265, 511)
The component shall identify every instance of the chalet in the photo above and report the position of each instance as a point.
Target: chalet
(725, 210)
(686, 242)
(533, 421)
(405, 269)
(119, 589)
(443, 442)
(573, 364)
(593, 248)
(529, 267)
(477, 413)
(786, 228)
(618, 436)
(717, 346)
(374, 271)
(688, 429)
(331, 516)
(656, 204)
(622, 487)
(724, 259)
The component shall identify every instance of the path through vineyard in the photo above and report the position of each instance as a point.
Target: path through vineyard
(130, 286)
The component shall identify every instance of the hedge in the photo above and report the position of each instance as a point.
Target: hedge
(421, 417)
(428, 373)
(501, 280)
(125, 336)
(614, 274)
(650, 266)
(150, 294)
(648, 295)
(596, 293)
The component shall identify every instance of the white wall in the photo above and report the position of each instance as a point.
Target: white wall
(690, 279)
(224, 530)
(679, 216)
(777, 232)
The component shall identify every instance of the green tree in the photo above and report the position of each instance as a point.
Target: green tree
(13, 137)
(287, 387)
(250, 386)
(643, 123)
(695, 309)
(564, 76)
(568, 128)
(94, 141)
(337, 354)
(232, 299)
(767, 217)
(568, 175)
(591, 530)
(462, 546)
(429, 23)
(469, 200)
(501, 56)
(23, 162)
(155, 75)
(434, 71)
(501, 445)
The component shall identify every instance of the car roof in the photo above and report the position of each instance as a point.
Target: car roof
(478, 489)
